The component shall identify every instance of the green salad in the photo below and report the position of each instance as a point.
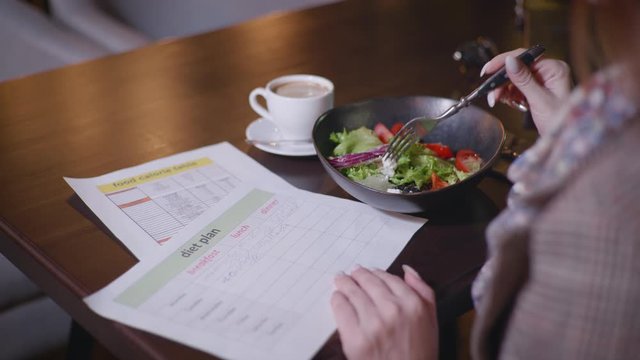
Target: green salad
(422, 167)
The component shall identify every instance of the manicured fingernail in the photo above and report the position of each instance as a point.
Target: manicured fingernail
(511, 64)
(484, 68)
(491, 99)
(355, 268)
(410, 270)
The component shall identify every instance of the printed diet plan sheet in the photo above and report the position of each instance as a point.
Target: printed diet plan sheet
(146, 205)
(252, 277)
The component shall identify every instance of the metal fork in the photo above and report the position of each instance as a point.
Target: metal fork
(413, 130)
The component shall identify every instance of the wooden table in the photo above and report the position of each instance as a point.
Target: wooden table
(119, 111)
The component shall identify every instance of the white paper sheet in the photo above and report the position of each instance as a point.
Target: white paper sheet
(252, 277)
(144, 206)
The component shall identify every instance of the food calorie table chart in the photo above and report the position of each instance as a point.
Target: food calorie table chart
(162, 202)
(146, 205)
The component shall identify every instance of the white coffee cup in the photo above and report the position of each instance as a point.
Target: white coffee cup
(294, 103)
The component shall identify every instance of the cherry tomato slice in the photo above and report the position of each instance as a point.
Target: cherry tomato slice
(442, 151)
(383, 133)
(396, 127)
(436, 182)
(468, 161)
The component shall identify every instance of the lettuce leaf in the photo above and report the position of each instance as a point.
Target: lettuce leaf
(363, 171)
(355, 141)
(417, 164)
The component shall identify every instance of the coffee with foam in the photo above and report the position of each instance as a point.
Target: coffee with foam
(300, 89)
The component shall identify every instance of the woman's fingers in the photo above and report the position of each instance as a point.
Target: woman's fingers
(497, 62)
(413, 279)
(345, 313)
(352, 333)
(386, 300)
(413, 297)
(508, 95)
(555, 75)
(381, 286)
(379, 314)
(539, 88)
(503, 94)
(537, 82)
(391, 295)
(362, 303)
(396, 285)
(375, 287)
(522, 77)
(376, 293)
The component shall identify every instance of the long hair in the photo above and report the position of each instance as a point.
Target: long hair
(604, 32)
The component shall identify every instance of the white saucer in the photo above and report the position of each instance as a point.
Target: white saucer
(265, 130)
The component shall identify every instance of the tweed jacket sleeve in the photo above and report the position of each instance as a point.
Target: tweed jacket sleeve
(581, 299)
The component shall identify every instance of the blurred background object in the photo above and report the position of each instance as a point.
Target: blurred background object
(30, 41)
(545, 22)
(31, 324)
(88, 18)
(124, 23)
(40, 35)
(472, 55)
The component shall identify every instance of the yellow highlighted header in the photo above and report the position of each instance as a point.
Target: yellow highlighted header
(153, 175)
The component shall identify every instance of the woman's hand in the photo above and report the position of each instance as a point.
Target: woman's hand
(545, 85)
(380, 316)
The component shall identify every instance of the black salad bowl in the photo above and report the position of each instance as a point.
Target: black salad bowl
(472, 128)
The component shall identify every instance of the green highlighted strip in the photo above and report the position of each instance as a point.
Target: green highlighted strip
(191, 251)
